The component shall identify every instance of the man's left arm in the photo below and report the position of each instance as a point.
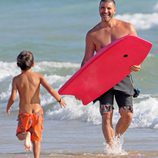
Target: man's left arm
(134, 68)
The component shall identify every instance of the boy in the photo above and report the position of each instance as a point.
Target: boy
(30, 118)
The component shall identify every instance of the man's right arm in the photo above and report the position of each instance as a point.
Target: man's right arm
(89, 49)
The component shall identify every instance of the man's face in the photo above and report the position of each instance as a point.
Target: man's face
(107, 11)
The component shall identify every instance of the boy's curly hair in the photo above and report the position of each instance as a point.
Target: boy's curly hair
(25, 60)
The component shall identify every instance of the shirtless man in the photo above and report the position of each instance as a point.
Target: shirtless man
(105, 32)
(30, 118)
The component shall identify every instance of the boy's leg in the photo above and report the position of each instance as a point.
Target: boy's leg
(36, 148)
(27, 142)
(24, 124)
(26, 136)
(37, 129)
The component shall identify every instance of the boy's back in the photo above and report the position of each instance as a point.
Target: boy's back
(28, 86)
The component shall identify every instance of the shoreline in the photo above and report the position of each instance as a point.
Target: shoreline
(130, 154)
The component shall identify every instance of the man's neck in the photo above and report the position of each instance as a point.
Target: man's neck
(108, 24)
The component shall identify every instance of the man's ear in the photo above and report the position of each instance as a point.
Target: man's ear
(115, 10)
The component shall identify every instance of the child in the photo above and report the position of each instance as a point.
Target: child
(30, 118)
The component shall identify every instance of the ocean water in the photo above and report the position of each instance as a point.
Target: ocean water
(55, 32)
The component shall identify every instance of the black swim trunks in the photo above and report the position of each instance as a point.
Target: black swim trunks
(107, 100)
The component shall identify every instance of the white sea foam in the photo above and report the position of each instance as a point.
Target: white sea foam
(145, 112)
(76, 111)
(56, 81)
(46, 65)
(10, 69)
(145, 109)
(7, 70)
(141, 21)
(156, 7)
(5, 94)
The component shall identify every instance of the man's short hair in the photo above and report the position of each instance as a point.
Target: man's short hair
(25, 60)
(113, 1)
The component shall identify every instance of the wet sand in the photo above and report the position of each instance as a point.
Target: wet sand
(133, 154)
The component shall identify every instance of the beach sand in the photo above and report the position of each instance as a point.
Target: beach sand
(133, 154)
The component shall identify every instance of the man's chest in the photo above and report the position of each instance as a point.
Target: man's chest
(103, 38)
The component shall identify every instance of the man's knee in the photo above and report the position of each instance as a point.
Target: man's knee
(126, 113)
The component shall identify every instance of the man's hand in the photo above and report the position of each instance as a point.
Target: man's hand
(135, 68)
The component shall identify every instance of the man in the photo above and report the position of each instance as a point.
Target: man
(104, 33)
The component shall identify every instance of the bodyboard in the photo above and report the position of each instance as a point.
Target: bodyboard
(107, 68)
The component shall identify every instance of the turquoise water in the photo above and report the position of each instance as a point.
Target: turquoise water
(55, 30)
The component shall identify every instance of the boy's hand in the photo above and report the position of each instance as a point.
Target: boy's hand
(8, 110)
(62, 103)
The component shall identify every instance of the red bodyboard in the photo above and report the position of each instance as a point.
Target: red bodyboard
(107, 68)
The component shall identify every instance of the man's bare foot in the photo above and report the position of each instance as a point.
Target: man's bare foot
(27, 142)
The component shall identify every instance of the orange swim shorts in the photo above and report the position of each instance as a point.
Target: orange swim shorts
(32, 123)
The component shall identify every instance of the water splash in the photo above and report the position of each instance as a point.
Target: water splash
(116, 148)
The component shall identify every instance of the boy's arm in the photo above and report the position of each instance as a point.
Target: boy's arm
(55, 94)
(12, 96)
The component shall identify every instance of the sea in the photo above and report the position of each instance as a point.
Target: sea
(55, 30)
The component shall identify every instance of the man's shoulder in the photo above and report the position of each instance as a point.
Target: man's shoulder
(127, 26)
(94, 29)
(124, 23)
